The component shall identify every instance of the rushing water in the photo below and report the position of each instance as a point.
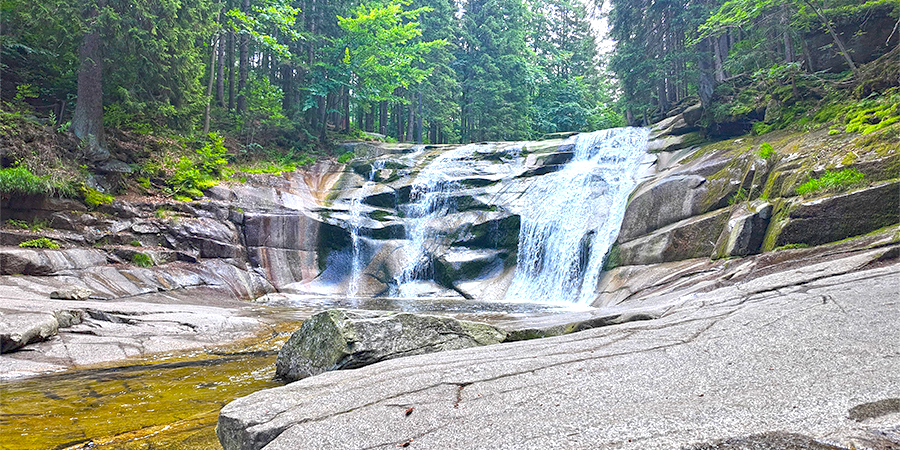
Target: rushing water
(430, 199)
(572, 218)
(356, 218)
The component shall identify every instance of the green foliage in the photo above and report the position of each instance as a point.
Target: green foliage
(34, 225)
(496, 76)
(95, 198)
(766, 151)
(841, 180)
(869, 120)
(20, 180)
(191, 176)
(142, 260)
(212, 156)
(346, 157)
(792, 246)
(40, 243)
(163, 212)
(864, 116)
(266, 20)
(135, 243)
(738, 197)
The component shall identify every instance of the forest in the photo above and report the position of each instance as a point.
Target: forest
(294, 76)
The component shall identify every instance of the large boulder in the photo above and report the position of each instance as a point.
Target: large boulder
(671, 143)
(341, 339)
(28, 261)
(19, 330)
(797, 350)
(670, 200)
(694, 237)
(212, 238)
(745, 230)
(462, 264)
(837, 217)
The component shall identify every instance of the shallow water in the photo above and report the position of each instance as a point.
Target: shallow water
(164, 402)
(172, 401)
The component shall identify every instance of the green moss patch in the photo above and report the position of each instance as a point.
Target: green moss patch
(834, 181)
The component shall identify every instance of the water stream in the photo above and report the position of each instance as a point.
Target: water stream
(430, 200)
(162, 401)
(356, 218)
(572, 218)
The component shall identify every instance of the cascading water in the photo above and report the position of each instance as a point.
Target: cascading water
(355, 224)
(430, 199)
(572, 217)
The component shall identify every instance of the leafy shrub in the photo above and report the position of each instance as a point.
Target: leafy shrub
(192, 176)
(142, 260)
(766, 151)
(39, 243)
(20, 180)
(95, 198)
(832, 180)
(738, 197)
(347, 156)
(760, 128)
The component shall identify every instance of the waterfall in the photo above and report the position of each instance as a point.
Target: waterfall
(572, 217)
(430, 199)
(356, 218)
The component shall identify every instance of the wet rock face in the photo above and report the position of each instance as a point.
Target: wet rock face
(672, 199)
(342, 339)
(767, 441)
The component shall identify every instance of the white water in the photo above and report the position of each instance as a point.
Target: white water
(355, 224)
(430, 200)
(572, 217)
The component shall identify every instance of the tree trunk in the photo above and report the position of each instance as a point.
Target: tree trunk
(707, 82)
(231, 70)
(209, 87)
(369, 120)
(663, 99)
(398, 116)
(382, 118)
(244, 69)
(718, 60)
(411, 121)
(288, 102)
(836, 38)
(345, 94)
(87, 120)
(419, 119)
(220, 74)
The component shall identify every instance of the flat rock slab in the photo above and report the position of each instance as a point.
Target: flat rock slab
(736, 361)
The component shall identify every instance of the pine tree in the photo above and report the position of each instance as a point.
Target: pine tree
(493, 66)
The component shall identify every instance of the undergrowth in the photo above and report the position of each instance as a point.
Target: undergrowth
(142, 260)
(831, 180)
(20, 180)
(39, 243)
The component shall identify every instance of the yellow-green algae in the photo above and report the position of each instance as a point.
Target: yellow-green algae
(162, 402)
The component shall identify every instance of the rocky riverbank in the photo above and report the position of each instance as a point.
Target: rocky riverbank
(797, 347)
(772, 310)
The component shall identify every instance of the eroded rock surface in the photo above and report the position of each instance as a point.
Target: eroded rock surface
(791, 349)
